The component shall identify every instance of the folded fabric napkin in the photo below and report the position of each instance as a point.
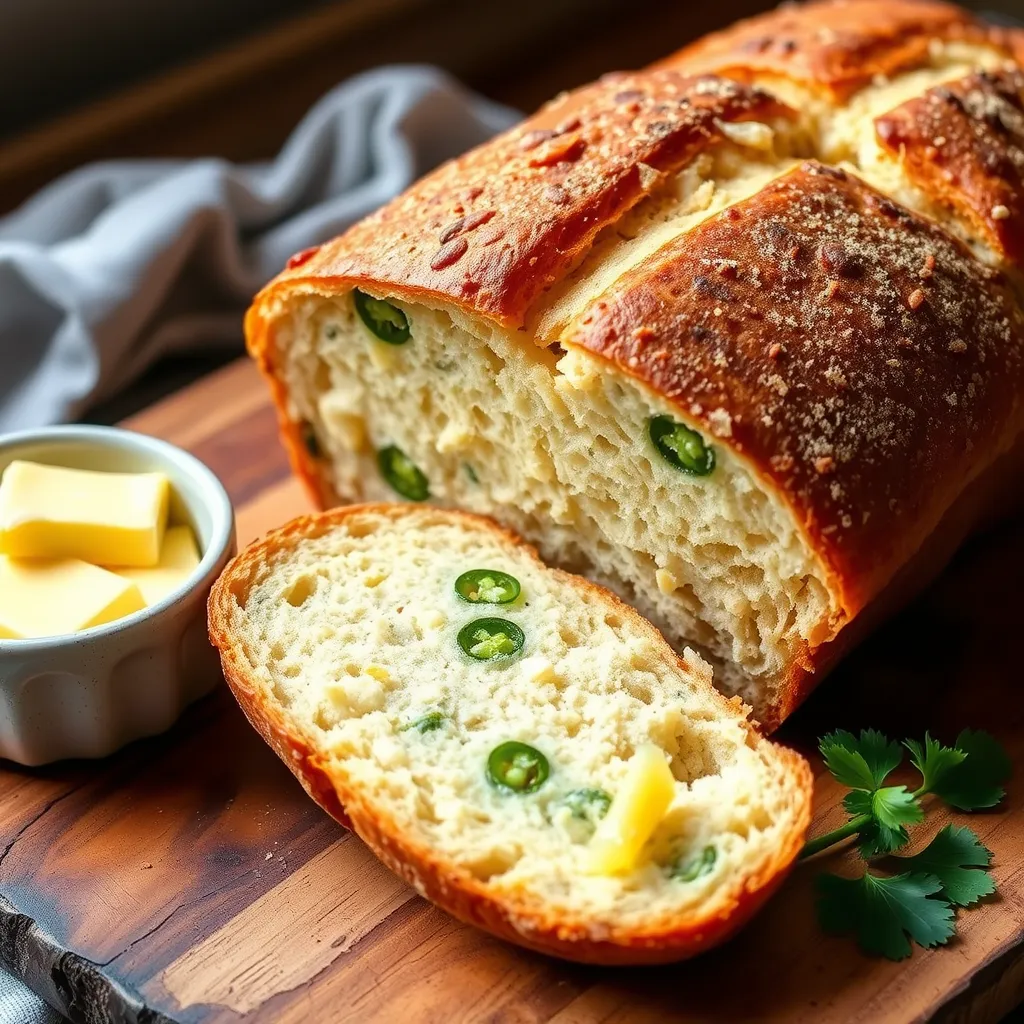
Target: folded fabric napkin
(119, 263)
(20, 1005)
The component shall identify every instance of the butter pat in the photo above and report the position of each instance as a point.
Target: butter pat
(636, 811)
(103, 518)
(179, 557)
(50, 597)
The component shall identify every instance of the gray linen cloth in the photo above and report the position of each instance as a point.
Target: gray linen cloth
(20, 1005)
(120, 263)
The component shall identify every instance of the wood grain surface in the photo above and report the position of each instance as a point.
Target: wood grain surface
(189, 879)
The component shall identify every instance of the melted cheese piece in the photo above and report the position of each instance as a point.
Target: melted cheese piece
(103, 518)
(51, 597)
(179, 557)
(636, 811)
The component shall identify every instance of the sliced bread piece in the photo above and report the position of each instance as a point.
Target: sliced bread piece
(515, 742)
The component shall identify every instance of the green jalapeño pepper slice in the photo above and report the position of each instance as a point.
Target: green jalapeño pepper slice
(487, 586)
(491, 639)
(384, 320)
(403, 475)
(681, 447)
(692, 868)
(587, 804)
(517, 767)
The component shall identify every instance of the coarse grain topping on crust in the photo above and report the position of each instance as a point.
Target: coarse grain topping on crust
(495, 228)
(838, 46)
(963, 144)
(860, 355)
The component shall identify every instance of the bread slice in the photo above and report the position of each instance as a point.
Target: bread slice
(339, 635)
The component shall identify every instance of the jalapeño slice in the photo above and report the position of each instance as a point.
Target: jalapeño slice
(487, 586)
(517, 767)
(491, 639)
(384, 320)
(680, 446)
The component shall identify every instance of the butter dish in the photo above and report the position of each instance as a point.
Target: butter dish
(86, 694)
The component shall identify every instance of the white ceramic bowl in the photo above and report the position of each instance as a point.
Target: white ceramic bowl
(87, 694)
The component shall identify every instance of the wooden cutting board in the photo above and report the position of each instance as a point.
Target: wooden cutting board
(189, 879)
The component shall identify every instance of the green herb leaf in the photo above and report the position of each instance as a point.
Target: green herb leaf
(954, 857)
(886, 913)
(587, 804)
(425, 723)
(882, 754)
(933, 760)
(845, 762)
(689, 869)
(860, 763)
(977, 782)
(894, 807)
(891, 809)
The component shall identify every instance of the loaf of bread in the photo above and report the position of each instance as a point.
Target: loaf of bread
(514, 741)
(739, 336)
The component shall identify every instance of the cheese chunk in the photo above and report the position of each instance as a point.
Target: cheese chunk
(179, 557)
(636, 811)
(50, 597)
(103, 518)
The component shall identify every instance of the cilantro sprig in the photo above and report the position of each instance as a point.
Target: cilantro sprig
(917, 903)
(882, 912)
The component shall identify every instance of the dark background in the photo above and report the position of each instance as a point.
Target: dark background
(255, 65)
(59, 54)
(82, 80)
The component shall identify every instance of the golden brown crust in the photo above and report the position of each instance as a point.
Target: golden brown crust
(514, 916)
(495, 228)
(992, 497)
(962, 144)
(836, 46)
(466, 898)
(265, 717)
(861, 358)
(304, 465)
(865, 379)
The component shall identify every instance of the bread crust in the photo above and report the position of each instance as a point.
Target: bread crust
(962, 144)
(862, 359)
(258, 334)
(838, 46)
(573, 168)
(867, 426)
(992, 497)
(513, 916)
(494, 229)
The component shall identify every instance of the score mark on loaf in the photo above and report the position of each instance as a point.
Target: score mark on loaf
(738, 335)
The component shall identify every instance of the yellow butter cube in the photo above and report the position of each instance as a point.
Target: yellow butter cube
(636, 811)
(103, 518)
(51, 597)
(179, 557)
